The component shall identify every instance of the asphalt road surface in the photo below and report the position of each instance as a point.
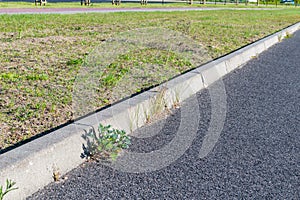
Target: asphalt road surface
(257, 155)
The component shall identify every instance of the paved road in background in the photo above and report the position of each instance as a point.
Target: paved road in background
(256, 157)
(41, 10)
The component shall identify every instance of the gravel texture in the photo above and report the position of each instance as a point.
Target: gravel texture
(256, 157)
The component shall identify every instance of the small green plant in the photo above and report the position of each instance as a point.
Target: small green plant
(9, 187)
(288, 35)
(107, 143)
(75, 62)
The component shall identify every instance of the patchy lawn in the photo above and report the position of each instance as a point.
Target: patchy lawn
(42, 54)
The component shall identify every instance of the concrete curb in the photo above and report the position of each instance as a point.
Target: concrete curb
(31, 165)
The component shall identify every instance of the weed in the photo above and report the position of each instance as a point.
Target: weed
(56, 174)
(288, 35)
(35, 77)
(10, 76)
(20, 34)
(107, 143)
(75, 62)
(157, 105)
(9, 187)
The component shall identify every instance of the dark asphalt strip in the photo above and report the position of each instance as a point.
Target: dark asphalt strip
(256, 157)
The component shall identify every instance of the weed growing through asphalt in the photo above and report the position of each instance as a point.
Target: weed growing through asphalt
(9, 187)
(107, 143)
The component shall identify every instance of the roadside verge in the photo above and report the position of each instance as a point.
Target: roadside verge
(32, 164)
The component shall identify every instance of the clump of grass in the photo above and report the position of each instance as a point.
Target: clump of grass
(157, 106)
(75, 62)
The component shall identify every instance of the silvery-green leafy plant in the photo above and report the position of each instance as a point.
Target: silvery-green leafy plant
(9, 187)
(107, 143)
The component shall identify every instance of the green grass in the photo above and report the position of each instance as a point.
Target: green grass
(42, 54)
(93, 5)
(137, 5)
(74, 5)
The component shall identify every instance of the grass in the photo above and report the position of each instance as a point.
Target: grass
(42, 54)
(77, 5)
(8, 188)
(137, 5)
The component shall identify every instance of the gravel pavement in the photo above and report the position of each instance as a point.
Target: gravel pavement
(256, 157)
